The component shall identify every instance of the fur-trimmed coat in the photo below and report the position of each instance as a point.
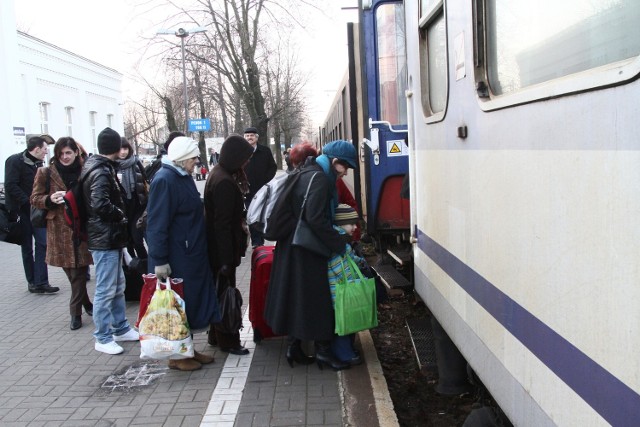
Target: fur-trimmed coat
(61, 251)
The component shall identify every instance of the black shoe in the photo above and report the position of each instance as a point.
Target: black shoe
(89, 309)
(357, 360)
(295, 354)
(43, 289)
(211, 337)
(239, 351)
(76, 322)
(324, 356)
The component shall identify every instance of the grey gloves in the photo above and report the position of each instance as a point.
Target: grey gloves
(162, 271)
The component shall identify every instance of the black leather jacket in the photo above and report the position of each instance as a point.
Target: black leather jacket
(106, 221)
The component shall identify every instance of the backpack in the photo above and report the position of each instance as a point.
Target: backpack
(262, 203)
(281, 222)
(151, 170)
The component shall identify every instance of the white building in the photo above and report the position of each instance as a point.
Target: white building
(46, 89)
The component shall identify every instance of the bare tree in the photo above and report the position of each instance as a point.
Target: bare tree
(285, 99)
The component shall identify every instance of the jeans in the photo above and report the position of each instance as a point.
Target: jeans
(35, 269)
(342, 347)
(108, 303)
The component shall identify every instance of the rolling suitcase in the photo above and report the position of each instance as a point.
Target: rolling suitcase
(261, 261)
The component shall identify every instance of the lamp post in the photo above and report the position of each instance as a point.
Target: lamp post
(182, 34)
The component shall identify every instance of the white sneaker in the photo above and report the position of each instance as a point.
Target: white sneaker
(131, 335)
(110, 348)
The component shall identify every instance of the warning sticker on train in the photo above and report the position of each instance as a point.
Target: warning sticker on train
(397, 148)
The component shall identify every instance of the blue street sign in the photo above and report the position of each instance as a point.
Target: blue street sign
(199, 125)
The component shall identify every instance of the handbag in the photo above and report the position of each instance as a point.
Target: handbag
(230, 303)
(149, 288)
(304, 237)
(164, 328)
(355, 303)
(10, 227)
(39, 216)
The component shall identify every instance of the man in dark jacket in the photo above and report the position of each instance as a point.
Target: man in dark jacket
(19, 173)
(260, 170)
(107, 230)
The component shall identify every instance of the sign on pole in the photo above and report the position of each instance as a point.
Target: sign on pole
(197, 125)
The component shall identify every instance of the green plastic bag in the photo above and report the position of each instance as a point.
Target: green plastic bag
(355, 303)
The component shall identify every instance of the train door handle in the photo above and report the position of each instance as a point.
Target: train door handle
(374, 144)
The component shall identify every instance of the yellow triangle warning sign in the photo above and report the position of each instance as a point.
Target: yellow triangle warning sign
(395, 148)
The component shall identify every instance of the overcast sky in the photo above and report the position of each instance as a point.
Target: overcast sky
(110, 33)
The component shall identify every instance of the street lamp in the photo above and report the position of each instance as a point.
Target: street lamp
(182, 33)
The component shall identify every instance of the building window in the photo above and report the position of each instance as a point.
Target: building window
(44, 117)
(68, 113)
(110, 120)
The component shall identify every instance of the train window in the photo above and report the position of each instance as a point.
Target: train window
(528, 43)
(392, 62)
(433, 58)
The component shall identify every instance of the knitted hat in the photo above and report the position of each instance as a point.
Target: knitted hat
(345, 214)
(182, 148)
(173, 135)
(109, 141)
(342, 150)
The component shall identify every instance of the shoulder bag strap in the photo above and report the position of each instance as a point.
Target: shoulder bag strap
(304, 202)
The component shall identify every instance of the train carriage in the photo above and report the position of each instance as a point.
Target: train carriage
(523, 153)
(525, 198)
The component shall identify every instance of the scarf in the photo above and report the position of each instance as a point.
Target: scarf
(241, 179)
(127, 168)
(325, 163)
(69, 174)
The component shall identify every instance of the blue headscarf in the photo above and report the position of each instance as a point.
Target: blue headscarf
(341, 150)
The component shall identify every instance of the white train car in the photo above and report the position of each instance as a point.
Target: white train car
(524, 157)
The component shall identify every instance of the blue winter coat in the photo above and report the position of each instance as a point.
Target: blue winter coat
(176, 235)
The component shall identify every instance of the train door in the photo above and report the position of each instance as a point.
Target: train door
(385, 137)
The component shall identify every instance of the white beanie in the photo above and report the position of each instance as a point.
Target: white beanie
(182, 148)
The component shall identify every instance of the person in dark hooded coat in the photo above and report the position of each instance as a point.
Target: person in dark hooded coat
(177, 241)
(226, 228)
(298, 300)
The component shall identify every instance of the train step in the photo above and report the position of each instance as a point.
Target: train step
(422, 339)
(391, 277)
(402, 256)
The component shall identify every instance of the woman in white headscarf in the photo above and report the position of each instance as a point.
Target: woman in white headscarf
(177, 240)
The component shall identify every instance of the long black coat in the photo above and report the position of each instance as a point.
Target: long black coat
(299, 299)
(260, 170)
(224, 206)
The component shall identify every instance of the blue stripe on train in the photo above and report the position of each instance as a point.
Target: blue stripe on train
(611, 398)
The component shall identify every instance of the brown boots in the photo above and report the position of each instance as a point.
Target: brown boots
(203, 358)
(192, 364)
